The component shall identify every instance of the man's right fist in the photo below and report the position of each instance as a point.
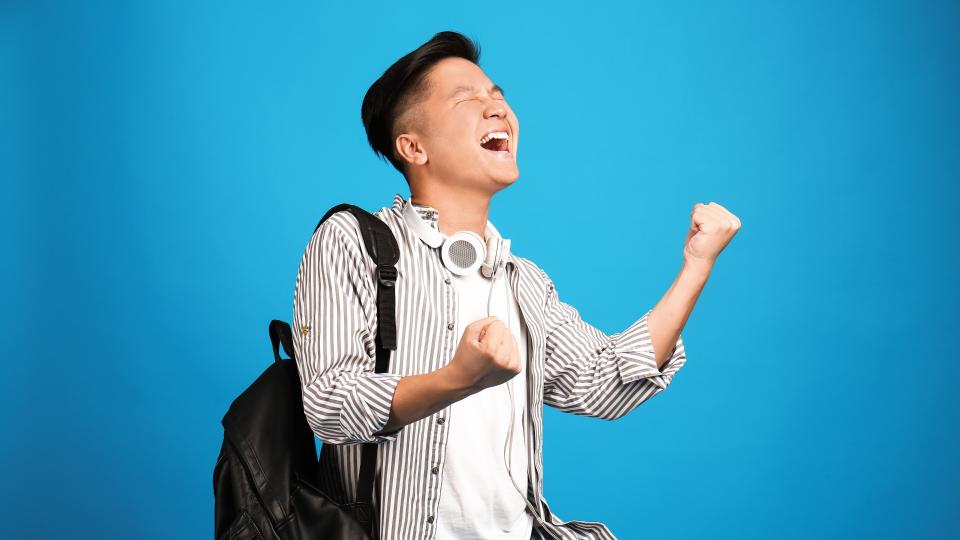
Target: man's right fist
(487, 354)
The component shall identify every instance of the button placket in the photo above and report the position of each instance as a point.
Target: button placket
(450, 310)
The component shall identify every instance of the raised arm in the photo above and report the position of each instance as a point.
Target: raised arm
(590, 373)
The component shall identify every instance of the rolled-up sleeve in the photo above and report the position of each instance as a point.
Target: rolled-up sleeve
(344, 400)
(590, 373)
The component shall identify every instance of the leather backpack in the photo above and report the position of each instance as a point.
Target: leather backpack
(265, 481)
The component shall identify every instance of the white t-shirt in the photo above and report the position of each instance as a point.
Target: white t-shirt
(477, 500)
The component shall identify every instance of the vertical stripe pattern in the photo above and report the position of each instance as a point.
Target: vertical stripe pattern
(572, 366)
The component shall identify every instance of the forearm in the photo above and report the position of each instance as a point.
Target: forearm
(670, 315)
(419, 396)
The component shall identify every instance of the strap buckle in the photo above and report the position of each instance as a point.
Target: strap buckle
(387, 275)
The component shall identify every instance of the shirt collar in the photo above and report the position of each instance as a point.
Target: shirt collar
(431, 216)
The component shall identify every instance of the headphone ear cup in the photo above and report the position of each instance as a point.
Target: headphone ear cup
(463, 252)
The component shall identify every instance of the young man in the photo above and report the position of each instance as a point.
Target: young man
(476, 358)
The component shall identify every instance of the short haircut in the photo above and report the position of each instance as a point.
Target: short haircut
(403, 85)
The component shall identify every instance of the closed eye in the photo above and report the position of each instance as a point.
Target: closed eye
(498, 98)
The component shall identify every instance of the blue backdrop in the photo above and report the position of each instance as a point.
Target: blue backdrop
(164, 166)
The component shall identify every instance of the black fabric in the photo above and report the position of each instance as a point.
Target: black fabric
(265, 479)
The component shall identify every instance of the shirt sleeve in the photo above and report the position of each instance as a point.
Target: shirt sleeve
(344, 400)
(590, 373)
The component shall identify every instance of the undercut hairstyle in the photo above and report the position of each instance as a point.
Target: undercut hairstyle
(389, 107)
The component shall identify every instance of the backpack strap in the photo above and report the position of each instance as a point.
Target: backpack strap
(383, 249)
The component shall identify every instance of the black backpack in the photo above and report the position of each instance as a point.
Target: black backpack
(265, 479)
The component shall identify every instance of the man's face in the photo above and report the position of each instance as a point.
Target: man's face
(463, 108)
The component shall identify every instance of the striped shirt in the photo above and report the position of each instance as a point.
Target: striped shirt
(572, 366)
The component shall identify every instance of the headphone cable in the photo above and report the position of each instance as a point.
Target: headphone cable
(508, 442)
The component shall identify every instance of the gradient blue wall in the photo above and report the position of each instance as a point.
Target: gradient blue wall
(164, 166)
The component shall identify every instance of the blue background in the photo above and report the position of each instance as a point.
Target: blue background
(164, 166)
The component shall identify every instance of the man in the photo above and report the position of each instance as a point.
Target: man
(449, 466)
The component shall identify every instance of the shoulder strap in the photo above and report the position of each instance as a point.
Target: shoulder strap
(383, 249)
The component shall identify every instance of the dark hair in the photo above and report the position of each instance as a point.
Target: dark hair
(403, 85)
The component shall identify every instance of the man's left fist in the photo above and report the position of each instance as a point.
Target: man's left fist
(711, 229)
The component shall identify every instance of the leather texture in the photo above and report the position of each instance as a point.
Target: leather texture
(264, 479)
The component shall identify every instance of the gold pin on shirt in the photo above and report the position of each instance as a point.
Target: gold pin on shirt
(305, 330)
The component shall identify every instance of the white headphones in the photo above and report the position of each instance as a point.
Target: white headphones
(463, 251)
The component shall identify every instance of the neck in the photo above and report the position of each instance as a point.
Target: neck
(459, 209)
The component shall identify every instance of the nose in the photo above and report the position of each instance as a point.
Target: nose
(495, 108)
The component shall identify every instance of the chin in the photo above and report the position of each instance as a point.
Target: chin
(506, 170)
(506, 179)
(505, 173)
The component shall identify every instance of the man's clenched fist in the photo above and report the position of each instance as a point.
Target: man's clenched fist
(487, 354)
(711, 229)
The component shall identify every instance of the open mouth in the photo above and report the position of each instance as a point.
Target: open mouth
(496, 141)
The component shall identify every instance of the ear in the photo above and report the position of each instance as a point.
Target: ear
(410, 149)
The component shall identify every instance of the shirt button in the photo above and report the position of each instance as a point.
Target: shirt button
(441, 420)
(429, 519)
(447, 281)
(450, 326)
(435, 470)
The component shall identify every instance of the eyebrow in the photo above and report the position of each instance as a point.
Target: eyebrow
(493, 89)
